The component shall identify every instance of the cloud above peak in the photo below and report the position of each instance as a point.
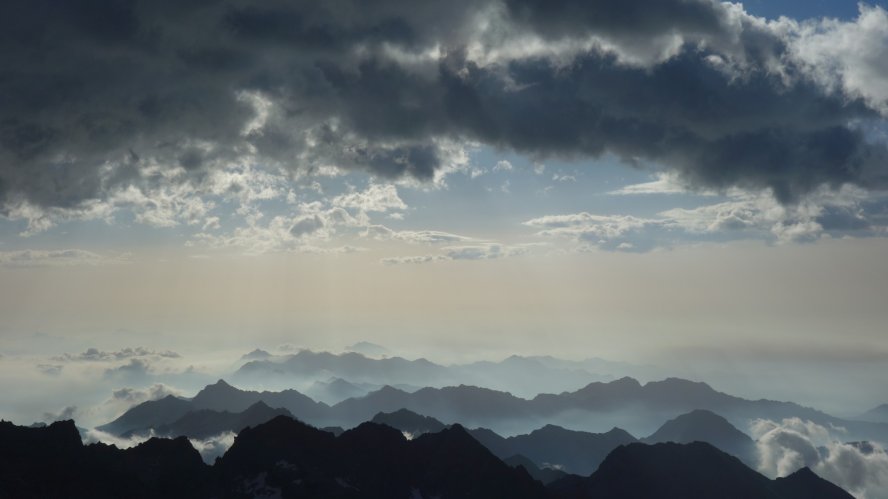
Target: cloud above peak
(142, 105)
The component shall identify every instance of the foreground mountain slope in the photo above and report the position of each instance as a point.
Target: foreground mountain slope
(684, 471)
(805, 484)
(295, 460)
(286, 458)
(52, 462)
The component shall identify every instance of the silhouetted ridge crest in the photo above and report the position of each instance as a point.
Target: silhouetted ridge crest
(678, 471)
(290, 459)
(805, 484)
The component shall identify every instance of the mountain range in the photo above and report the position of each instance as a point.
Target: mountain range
(597, 407)
(579, 452)
(525, 376)
(286, 458)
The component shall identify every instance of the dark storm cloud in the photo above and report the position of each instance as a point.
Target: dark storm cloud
(555, 19)
(93, 93)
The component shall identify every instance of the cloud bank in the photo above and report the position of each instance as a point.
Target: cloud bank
(151, 105)
(786, 446)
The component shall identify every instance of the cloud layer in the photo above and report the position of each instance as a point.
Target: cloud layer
(149, 104)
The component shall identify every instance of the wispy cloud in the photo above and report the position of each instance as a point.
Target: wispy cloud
(57, 258)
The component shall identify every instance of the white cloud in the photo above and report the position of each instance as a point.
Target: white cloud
(663, 183)
(588, 227)
(483, 251)
(381, 232)
(790, 444)
(299, 232)
(743, 215)
(847, 56)
(376, 197)
(213, 447)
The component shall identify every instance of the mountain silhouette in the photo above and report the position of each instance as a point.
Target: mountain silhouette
(550, 446)
(219, 397)
(575, 452)
(642, 408)
(685, 471)
(370, 461)
(544, 475)
(148, 415)
(289, 459)
(706, 426)
(205, 423)
(52, 462)
(805, 484)
(409, 421)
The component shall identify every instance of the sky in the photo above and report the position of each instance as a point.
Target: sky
(696, 185)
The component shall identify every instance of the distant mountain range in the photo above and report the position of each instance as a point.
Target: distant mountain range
(876, 415)
(637, 408)
(289, 459)
(525, 376)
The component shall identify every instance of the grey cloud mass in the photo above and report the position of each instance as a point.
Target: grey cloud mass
(99, 98)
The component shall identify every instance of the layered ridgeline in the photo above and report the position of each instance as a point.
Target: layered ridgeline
(331, 378)
(288, 459)
(550, 447)
(579, 452)
(597, 407)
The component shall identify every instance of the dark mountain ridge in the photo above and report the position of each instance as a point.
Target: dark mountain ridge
(687, 471)
(288, 459)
